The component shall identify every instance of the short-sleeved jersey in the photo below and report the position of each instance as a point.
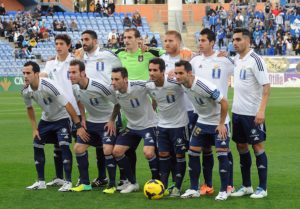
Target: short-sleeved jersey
(59, 72)
(49, 97)
(100, 64)
(137, 106)
(250, 74)
(96, 99)
(205, 97)
(170, 101)
(137, 63)
(215, 69)
(170, 65)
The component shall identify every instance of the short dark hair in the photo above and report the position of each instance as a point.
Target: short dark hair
(244, 31)
(187, 66)
(92, 33)
(122, 70)
(35, 66)
(65, 37)
(175, 33)
(211, 36)
(79, 63)
(136, 32)
(160, 62)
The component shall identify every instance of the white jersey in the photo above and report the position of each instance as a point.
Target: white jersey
(49, 97)
(206, 97)
(250, 74)
(170, 103)
(59, 72)
(137, 106)
(215, 69)
(96, 99)
(100, 64)
(170, 65)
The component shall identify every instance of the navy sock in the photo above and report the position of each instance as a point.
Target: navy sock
(230, 158)
(58, 162)
(131, 155)
(245, 162)
(173, 167)
(100, 163)
(39, 160)
(164, 169)
(154, 165)
(223, 170)
(83, 167)
(111, 168)
(208, 164)
(123, 163)
(180, 171)
(67, 161)
(262, 168)
(194, 169)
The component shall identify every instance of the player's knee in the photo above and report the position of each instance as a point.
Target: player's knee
(207, 150)
(242, 148)
(180, 155)
(164, 154)
(79, 148)
(222, 150)
(258, 147)
(149, 154)
(195, 149)
(107, 149)
(117, 152)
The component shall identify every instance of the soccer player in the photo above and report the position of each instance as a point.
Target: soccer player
(211, 128)
(251, 93)
(98, 64)
(217, 70)
(54, 126)
(172, 127)
(57, 70)
(134, 100)
(95, 97)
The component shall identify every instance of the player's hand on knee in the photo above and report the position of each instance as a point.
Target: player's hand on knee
(83, 134)
(222, 131)
(36, 134)
(111, 128)
(259, 118)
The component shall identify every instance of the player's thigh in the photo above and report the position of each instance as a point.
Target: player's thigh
(80, 148)
(221, 144)
(149, 136)
(239, 134)
(63, 132)
(164, 144)
(179, 138)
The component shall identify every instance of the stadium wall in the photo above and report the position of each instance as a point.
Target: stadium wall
(12, 5)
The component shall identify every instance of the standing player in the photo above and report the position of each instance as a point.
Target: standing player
(211, 128)
(217, 70)
(172, 128)
(134, 100)
(98, 64)
(95, 96)
(251, 93)
(54, 126)
(57, 70)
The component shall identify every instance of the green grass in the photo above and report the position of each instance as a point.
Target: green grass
(17, 168)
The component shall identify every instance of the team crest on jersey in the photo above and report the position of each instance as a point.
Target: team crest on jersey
(141, 58)
(200, 66)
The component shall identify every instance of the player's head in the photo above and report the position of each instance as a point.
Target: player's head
(62, 44)
(156, 69)
(241, 40)
(119, 79)
(207, 40)
(132, 37)
(31, 72)
(183, 70)
(76, 71)
(172, 42)
(89, 40)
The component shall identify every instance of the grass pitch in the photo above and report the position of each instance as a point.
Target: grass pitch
(17, 167)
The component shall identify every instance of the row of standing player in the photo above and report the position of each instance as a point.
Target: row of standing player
(216, 70)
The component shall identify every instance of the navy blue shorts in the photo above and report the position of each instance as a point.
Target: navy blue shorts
(193, 117)
(244, 130)
(206, 136)
(131, 138)
(98, 135)
(54, 132)
(173, 140)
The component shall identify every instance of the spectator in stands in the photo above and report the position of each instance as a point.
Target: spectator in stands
(112, 33)
(137, 19)
(146, 40)
(221, 37)
(78, 45)
(289, 44)
(37, 12)
(276, 11)
(279, 19)
(113, 42)
(50, 10)
(73, 25)
(126, 21)
(297, 47)
(268, 7)
(230, 49)
(92, 7)
(265, 41)
(121, 40)
(279, 45)
(153, 42)
(111, 7)
(270, 50)
(2, 9)
(98, 7)
(1, 30)
(239, 20)
(223, 16)
(213, 21)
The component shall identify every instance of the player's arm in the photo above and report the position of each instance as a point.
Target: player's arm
(111, 128)
(221, 128)
(260, 115)
(31, 116)
(82, 113)
(80, 130)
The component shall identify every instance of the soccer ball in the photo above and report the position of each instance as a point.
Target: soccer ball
(154, 189)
